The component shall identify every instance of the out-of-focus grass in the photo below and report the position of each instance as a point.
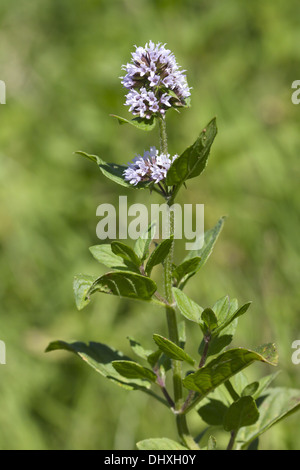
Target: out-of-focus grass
(61, 62)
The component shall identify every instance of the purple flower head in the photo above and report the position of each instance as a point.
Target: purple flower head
(152, 166)
(155, 81)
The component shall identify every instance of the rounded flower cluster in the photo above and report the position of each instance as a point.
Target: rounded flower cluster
(155, 81)
(152, 166)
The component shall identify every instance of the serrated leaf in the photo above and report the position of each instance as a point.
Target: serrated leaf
(124, 284)
(193, 160)
(125, 252)
(277, 404)
(243, 412)
(172, 350)
(225, 366)
(159, 254)
(143, 243)
(100, 357)
(213, 412)
(81, 285)
(187, 267)
(133, 370)
(103, 253)
(187, 307)
(162, 443)
(210, 238)
(140, 123)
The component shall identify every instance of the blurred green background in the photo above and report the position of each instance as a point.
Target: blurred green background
(61, 61)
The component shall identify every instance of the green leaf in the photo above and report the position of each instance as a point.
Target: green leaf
(269, 352)
(139, 350)
(264, 383)
(221, 308)
(225, 366)
(221, 340)
(250, 389)
(209, 318)
(254, 445)
(112, 171)
(277, 404)
(242, 412)
(159, 254)
(124, 284)
(239, 382)
(142, 244)
(187, 267)
(233, 316)
(193, 160)
(216, 344)
(92, 158)
(125, 252)
(187, 307)
(162, 443)
(140, 123)
(160, 361)
(100, 357)
(172, 350)
(133, 370)
(210, 238)
(154, 357)
(103, 253)
(81, 286)
(213, 412)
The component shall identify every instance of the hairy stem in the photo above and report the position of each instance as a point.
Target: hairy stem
(171, 314)
(192, 394)
(163, 140)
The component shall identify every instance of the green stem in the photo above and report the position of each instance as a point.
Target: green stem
(163, 140)
(181, 423)
(231, 390)
(232, 440)
(192, 394)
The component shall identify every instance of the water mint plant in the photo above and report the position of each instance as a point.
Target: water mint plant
(152, 166)
(211, 382)
(155, 81)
